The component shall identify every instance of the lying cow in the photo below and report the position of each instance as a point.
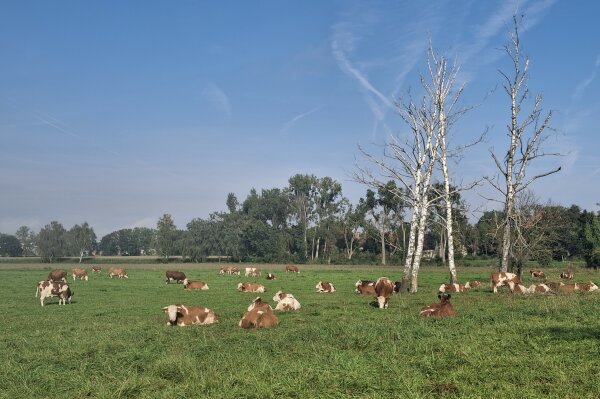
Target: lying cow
(270, 276)
(251, 287)
(568, 288)
(452, 288)
(96, 269)
(58, 275)
(473, 284)
(537, 273)
(252, 271)
(589, 286)
(292, 269)
(183, 315)
(383, 290)
(567, 274)
(323, 286)
(48, 289)
(533, 288)
(365, 287)
(259, 303)
(499, 279)
(286, 301)
(80, 273)
(442, 309)
(259, 317)
(194, 285)
(172, 275)
(117, 271)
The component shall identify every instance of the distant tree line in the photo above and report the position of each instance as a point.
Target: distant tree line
(310, 221)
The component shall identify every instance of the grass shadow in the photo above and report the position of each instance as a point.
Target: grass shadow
(570, 333)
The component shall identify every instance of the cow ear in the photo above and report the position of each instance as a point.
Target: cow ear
(165, 308)
(439, 296)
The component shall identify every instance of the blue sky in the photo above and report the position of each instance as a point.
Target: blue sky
(115, 112)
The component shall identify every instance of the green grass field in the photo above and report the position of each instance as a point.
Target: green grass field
(113, 342)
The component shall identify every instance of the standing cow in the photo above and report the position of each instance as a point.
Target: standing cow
(79, 273)
(292, 269)
(117, 271)
(172, 275)
(48, 289)
(58, 275)
(383, 290)
(499, 279)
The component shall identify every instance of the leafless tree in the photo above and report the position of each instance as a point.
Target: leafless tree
(527, 135)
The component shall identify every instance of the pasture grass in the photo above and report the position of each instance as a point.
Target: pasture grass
(113, 342)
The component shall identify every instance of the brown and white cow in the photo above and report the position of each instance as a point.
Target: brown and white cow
(383, 290)
(117, 271)
(259, 303)
(259, 317)
(442, 309)
(589, 286)
(48, 289)
(173, 275)
(194, 285)
(183, 315)
(324, 286)
(452, 288)
(292, 269)
(286, 301)
(224, 270)
(472, 284)
(568, 288)
(555, 286)
(80, 273)
(365, 287)
(58, 275)
(270, 276)
(537, 273)
(252, 271)
(499, 279)
(251, 287)
(567, 274)
(96, 269)
(234, 270)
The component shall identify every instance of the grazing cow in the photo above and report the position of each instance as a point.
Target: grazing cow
(234, 270)
(172, 275)
(499, 279)
(270, 276)
(183, 315)
(452, 288)
(224, 270)
(80, 273)
(473, 284)
(442, 309)
(286, 301)
(252, 271)
(58, 275)
(251, 287)
(292, 269)
(49, 289)
(567, 274)
(259, 317)
(365, 287)
(383, 289)
(96, 269)
(537, 273)
(194, 285)
(589, 286)
(323, 286)
(117, 271)
(259, 303)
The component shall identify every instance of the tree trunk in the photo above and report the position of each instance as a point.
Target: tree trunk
(81, 255)
(382, 234)
(419, 248)
(317, 248)
(410, 250)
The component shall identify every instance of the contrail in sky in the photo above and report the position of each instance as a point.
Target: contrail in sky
(296, 118)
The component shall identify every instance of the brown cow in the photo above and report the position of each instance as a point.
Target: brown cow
(568, 288)
(117, 271)
(589, 286)
(79, 273)
(365, 287)
(259, 317)
(324, 286)
(183, 315)
(194, 285)
(537, 273)
(555, 286)
(567, 274)
(234, 270)
(442, 309)
(473, 284)
(292, 269)
(499, 279)
(58, 275)
(383, 290)
(259, 303)
(251, 287)
(96, 269)
(173, 275)
(224, 270)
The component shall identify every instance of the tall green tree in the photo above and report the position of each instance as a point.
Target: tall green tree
(591, 235)
(51, 242)
(302, 189)
(10, 245)
(81, 239)
(26, 237)
(166, 236)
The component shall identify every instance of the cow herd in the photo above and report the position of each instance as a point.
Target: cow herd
(260, 314)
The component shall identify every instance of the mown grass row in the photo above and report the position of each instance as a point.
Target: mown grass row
(112, 341)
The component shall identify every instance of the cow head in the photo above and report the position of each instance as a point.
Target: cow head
(172, 311)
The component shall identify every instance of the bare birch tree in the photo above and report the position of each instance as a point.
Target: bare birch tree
(526, 134)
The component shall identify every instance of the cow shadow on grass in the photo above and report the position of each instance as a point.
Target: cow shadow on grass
(569, 333)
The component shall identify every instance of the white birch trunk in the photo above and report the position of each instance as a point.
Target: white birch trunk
(419, 248)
